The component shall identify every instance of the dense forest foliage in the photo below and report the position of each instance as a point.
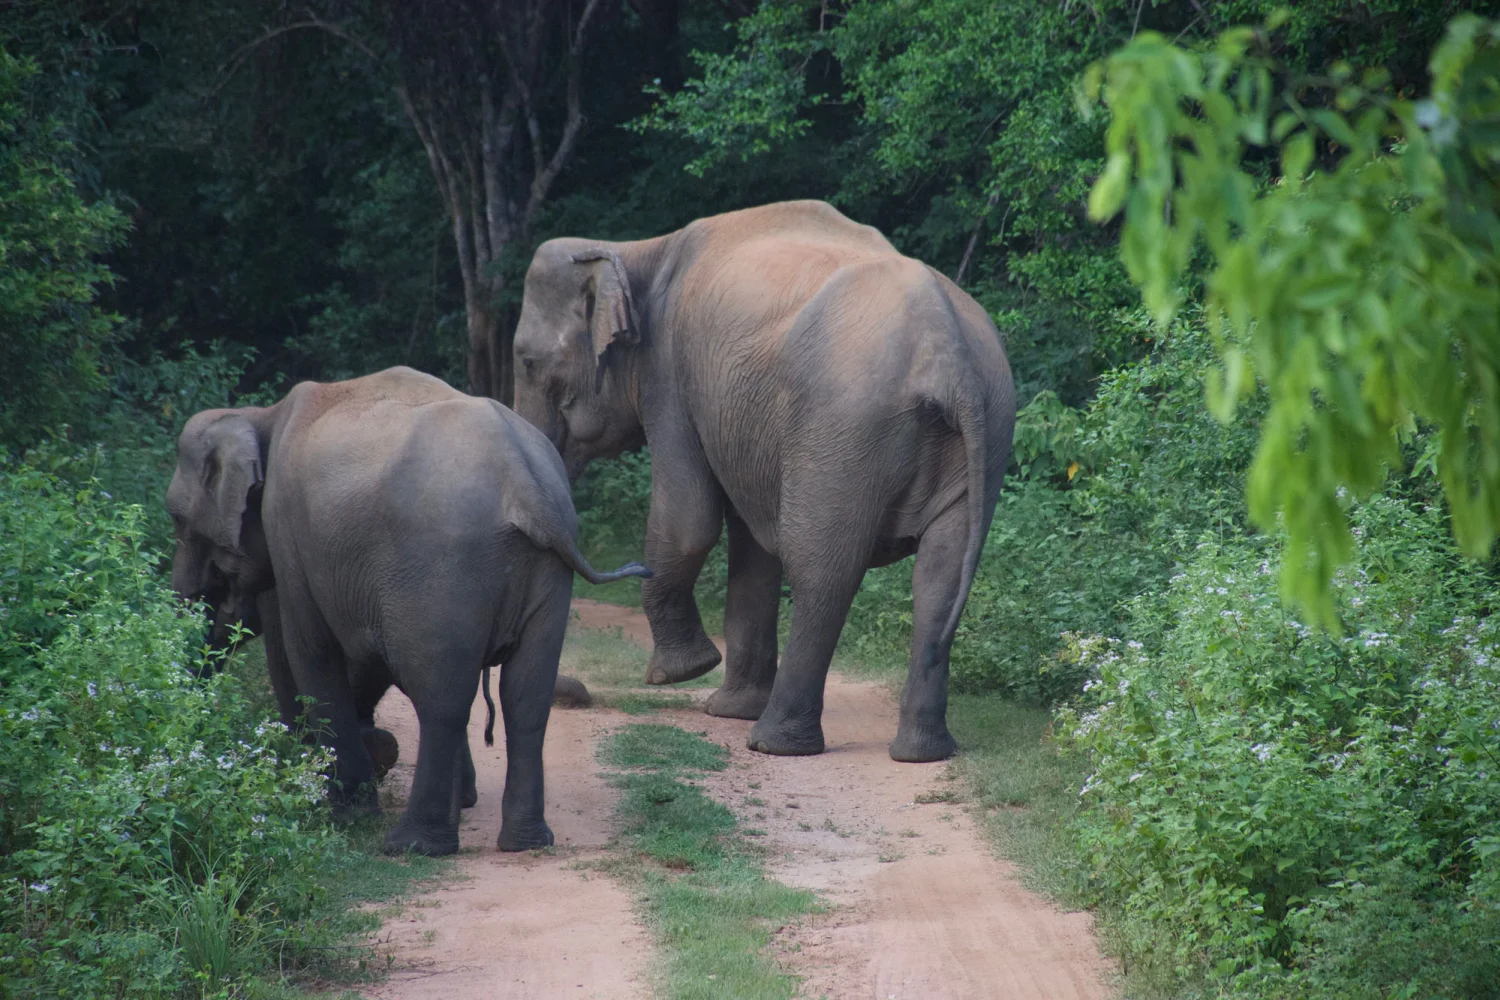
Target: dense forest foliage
(1286, 788)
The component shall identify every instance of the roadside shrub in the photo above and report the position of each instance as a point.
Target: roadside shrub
(1296, 813)
(128, 789)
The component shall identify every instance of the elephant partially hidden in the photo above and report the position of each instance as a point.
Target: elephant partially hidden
(391, 529)
(839, 405)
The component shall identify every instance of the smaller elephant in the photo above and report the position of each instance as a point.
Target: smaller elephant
(392, 530)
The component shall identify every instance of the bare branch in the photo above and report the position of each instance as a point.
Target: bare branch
(244, 52)
(543, 176)
(583, 24)
(963, 265)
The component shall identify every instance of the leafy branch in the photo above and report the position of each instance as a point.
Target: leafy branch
(1360, 283)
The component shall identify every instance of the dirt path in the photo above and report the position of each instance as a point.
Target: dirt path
(518, 926)
(920, 909)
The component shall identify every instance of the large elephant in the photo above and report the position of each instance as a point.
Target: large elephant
(839, 405)
(392, 530)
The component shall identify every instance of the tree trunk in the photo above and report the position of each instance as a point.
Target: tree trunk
(482, 325)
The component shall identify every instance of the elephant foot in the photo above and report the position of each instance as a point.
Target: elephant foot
(787, 738)
(920, 744)
(383, 749)
(412, 838)
(569, 692)
(524, 837)
(737, 703)
(673, 666)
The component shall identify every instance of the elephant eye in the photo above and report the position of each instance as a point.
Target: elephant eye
(529, 364)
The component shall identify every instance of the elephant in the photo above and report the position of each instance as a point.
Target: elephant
(836, 405)
(392, 529)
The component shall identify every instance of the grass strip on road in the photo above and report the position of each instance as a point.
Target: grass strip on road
(702, 886)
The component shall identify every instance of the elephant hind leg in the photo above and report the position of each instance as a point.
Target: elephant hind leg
(441, 676)
(936, 585)
(528, 679)
(750, 612)
(825, 549)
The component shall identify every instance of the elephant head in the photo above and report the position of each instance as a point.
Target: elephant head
(574, 372)
(214, 500)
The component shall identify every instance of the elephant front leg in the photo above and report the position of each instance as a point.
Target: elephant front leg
(750, 612)
(686, 518)
(283, 686)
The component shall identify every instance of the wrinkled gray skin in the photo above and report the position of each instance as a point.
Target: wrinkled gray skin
(391, 529)
(838, 405)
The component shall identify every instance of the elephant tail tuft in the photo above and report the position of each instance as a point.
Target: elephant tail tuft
(489, 703)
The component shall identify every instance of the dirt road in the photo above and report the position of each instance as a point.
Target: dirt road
(919, 910)
(518, 926)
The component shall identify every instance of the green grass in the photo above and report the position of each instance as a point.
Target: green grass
(702, 886)
(1018, 786)
(665, 749)
(643, 703)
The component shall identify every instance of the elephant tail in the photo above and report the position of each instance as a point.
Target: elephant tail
(568, 550)
(489, 703)
(968, 417)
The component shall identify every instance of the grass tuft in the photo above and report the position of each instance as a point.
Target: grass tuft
(663, 748)
(1018, 783)
(639, 703)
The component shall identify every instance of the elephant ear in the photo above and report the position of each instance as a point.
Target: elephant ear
(231, 470)
(611, 312)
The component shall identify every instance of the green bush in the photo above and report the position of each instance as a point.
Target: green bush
(1294, 813)
(127, 787)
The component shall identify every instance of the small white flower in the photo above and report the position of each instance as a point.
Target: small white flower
(93, 690)
(31, 715)
(1262, 752)
(42, 887)
(1136, 777)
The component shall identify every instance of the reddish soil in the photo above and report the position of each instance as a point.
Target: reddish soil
(919, 908)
